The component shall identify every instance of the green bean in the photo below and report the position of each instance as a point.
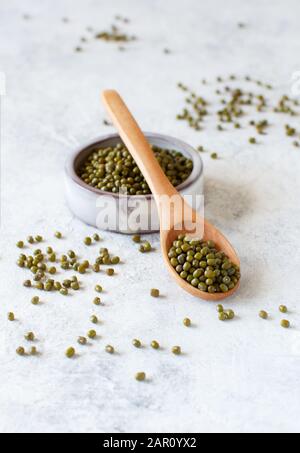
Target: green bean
(27, 283)
(110, 272)
(82, 269)
(115, 260)
(75, 286)
(35, 300)
(67, 283)
(29, 336)
(187, 322)
(70, 353)
(285, 323)
(154, 344)
(97, 301)
(176, 350)
(94, 319)
(136, 343)
(140, 376)
(92, 334)
(202, 265)
(96, 268)
(263, 314)
(87, 241)
(223, 316)
(230, 314)
(82, 341)
(20, 351)
(110, 349)
(11, 316)
(112, 169)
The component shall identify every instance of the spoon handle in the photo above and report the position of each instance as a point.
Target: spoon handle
(137, 144)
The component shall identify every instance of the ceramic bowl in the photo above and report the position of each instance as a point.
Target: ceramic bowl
(118, 212)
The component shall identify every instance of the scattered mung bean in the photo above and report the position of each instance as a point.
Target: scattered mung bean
(136, 343)
(110, 272)
(75, 286)
(92, 334)
(27, 283)
(70, 352)
(11, 316)
(176, 350)
(82, 341)
(222, 316)
(33, 350)
(110, 349)
(154, 344)
(29, 336)
(87, 241)
(96, 268)
(35, 300)
(140, 376)
(230, 314)
(115, 260)
(263, 314)
(97, 301)
(186, 322)
(285, 323)
(20, 351)
(94, 319)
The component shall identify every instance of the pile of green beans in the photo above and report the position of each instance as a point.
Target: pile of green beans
(203, 266)
(113, 169)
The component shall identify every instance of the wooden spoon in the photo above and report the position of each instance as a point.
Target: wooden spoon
(174, 219)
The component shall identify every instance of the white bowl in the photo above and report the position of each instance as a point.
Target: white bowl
(118, 212)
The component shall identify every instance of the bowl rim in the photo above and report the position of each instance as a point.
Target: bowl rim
(181, 146)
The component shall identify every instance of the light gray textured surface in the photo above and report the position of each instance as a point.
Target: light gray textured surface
(237, 376)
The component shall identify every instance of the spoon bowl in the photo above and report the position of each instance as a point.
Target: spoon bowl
(210, 232)
(176, 216)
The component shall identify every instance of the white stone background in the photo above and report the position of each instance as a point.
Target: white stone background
(239, 376)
